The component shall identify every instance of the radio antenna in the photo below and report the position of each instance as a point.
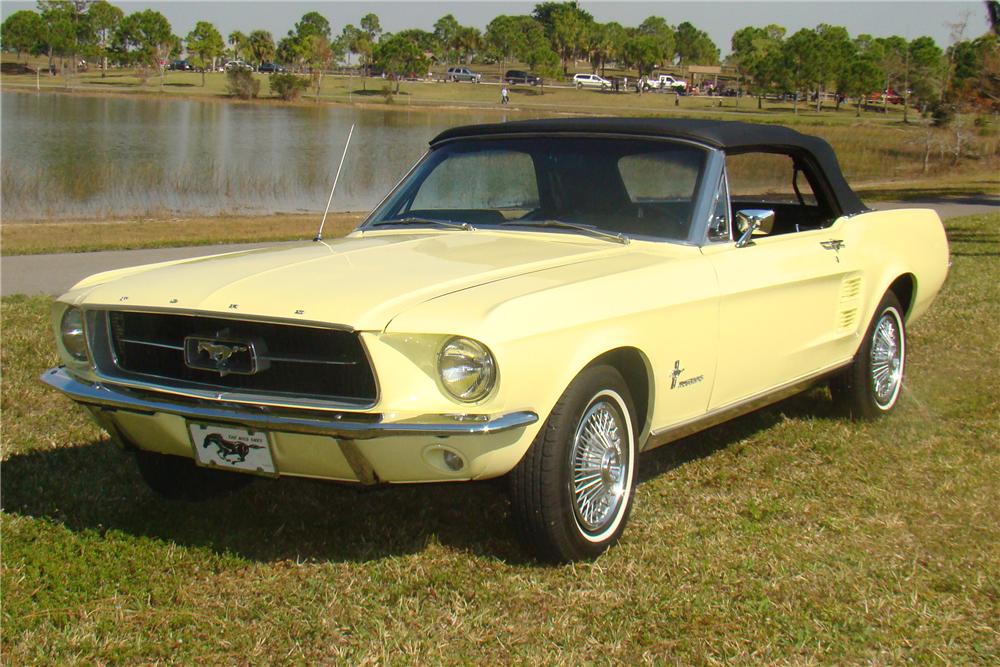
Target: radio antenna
(319, 234)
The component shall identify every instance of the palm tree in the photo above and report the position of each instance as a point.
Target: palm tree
(239, 42)
(261, 45)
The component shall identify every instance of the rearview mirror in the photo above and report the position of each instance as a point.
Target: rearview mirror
(749, 220)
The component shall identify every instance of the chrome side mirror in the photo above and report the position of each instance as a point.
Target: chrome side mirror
(749, 220)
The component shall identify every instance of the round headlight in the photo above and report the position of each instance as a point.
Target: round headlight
(73, 338)
(467, 369)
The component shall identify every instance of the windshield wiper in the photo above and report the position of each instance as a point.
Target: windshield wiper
(586, 229)
(450, 224)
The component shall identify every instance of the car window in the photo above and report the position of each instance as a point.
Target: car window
(636, 187)
(483, 180)
(780, 183)
(660, 176)
(766, 177)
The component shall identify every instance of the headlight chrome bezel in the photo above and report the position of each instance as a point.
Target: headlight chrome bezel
(477, 356)
(73, 335)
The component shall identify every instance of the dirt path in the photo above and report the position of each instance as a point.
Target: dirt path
(54, 274)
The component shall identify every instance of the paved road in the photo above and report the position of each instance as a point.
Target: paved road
(54, 274)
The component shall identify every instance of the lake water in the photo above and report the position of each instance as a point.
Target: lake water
(67, 156)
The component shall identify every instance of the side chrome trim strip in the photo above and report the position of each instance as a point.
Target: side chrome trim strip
(669, 434)
(110, 397)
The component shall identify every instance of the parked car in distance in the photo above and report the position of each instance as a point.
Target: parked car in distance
(591, 81)
(668, 82)
(520, 76)
(463, 74)
(271, 68)
(234, 65)
(180, 65)
(889, 95)
(542, 300)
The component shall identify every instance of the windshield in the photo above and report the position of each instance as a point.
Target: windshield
(630, 187)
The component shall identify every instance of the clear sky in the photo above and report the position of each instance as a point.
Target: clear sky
(719, 19)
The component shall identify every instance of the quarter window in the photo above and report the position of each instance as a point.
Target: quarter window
(781, 183)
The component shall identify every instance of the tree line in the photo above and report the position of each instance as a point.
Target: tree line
(820, 60)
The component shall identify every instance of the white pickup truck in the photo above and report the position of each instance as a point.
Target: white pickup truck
(667, 82)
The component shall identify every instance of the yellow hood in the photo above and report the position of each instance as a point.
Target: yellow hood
(361, 281)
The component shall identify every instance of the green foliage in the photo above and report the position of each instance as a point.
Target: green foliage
(242, 84)
(21, 32)
(644, 52)
(312, 23)
(927, 69)
(694, 46)
(261, 45)
(104, 20)
(976, 72)
(545, 63)
(863, 76)
(756, 53)
(567, 26)
(205, 43)
(287, 86)
(607, 43)
(372, 26)
(505, 38)
(289, 51)
(445, 30)
(400, 55)
(143, 38)
(240, 44)
(801, 62)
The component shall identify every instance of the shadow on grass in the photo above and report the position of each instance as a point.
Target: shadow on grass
(117, 84)
(180, 85)
(96, 487)
(376, 93)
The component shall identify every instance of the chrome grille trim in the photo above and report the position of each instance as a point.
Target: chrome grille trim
(360, 382)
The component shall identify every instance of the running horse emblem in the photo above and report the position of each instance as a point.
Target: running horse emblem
(230, 451)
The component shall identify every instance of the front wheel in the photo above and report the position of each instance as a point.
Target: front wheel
(871, 385)
(572, 492)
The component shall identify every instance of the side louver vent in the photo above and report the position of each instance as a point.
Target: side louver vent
(850, 297)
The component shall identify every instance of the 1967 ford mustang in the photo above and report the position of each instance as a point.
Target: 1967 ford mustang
(540, 299)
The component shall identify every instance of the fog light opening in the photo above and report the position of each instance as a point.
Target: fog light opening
(452, 460)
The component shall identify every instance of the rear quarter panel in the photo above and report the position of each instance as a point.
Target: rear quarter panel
(890, 244)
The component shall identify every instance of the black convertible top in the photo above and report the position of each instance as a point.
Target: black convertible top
(729, 136)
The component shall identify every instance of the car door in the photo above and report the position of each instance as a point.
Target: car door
(788, 301)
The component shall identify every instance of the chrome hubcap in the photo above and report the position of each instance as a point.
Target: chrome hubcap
(887, 360)
(600, 466)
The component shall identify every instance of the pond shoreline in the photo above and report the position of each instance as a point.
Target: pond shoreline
(165, 96)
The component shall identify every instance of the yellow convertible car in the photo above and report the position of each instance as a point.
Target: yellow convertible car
(541, 300)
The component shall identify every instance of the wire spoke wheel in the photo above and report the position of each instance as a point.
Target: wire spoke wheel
(599, 466)
(871, 385)
(886, 359)
(573, 490)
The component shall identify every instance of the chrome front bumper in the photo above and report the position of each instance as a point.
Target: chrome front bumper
(337, 425)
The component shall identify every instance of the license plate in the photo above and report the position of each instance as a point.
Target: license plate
(230, 448)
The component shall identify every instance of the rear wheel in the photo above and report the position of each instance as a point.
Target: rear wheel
(178, 478)
(572, 492)
(871, 385)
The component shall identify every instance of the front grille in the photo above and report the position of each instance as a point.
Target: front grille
(291, 360)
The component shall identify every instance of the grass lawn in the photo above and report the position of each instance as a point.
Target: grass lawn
(82, 236)
(789, 535)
